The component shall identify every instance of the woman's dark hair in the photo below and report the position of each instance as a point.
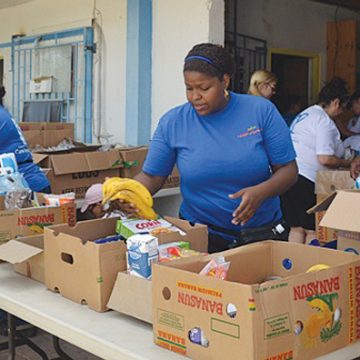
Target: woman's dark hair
(334, 89)
(210, 59)
(355, 96)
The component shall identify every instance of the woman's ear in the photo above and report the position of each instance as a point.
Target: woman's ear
(226, 80)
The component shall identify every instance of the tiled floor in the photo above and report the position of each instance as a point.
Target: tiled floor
(44, 341)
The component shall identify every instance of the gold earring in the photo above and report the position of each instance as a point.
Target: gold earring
(226, 94)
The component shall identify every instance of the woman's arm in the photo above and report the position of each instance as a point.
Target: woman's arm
(333, 161)
(151, 182)
(284, 176)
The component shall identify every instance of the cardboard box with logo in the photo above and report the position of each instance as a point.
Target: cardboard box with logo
(77, 171)
(80, 269)
(26, 254)
(328, 181)
(342, 214)
(253, 314)
(46, 134)
(31, 221)
(132, 295)
(133, 159)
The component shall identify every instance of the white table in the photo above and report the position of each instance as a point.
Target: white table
(109, 335)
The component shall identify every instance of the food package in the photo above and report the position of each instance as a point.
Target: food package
(142, 251)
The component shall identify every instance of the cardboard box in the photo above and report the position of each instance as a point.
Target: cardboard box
(26, 254)
(41, 85)
(133, 159)
(342, 214)
(31, 221)
(327, 182)
(79, 269)
(131, 295)
(300, 316)
(46, 134)
(77, 171)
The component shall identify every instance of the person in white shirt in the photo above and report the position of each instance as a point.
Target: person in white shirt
(353, 125)
(318, 146)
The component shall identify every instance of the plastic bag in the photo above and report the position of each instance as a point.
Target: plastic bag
(216, 268)
(14, 181)
(18, 199)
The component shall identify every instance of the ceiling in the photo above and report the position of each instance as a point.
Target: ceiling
(349, 4)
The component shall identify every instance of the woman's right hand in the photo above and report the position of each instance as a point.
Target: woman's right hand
(129, 209)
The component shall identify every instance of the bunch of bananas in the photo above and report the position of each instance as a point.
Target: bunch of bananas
(130, 191)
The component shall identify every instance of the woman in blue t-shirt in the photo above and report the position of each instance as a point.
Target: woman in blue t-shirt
(12, 141)
(233, 152)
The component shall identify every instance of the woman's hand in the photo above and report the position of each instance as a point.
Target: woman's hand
(129, 209)
(251, 199)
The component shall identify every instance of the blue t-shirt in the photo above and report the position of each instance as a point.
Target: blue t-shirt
(220, 154)
(12, 141)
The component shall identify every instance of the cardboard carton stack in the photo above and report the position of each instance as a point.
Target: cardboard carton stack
(77, 171)
(46, 134)
(300, 315)
(327, 182)
(342, 214)
(133, 159)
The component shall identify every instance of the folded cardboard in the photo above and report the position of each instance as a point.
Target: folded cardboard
(301, 315)
(133, 159)
(132, 295)
(41, 85)
(26, 254)
(80, 269)
(342, 214)
(46, 134)
(328, 181)
(31, 221)
(77, 171)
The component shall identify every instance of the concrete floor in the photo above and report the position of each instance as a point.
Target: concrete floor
(44, 341)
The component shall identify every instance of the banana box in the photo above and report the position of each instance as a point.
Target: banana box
(131, 295)
(328, 181)
(32, 221)
(26, 255)
(129, 227)
(270, 307)
(78, 267)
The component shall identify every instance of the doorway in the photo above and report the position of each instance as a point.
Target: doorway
(298, 77)
(293, 80)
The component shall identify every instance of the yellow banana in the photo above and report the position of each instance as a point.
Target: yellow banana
(114, 185)
(317, 267)
(145, 211)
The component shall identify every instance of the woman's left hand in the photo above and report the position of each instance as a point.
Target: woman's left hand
(252, 197)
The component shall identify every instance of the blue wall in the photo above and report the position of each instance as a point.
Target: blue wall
(138, 72)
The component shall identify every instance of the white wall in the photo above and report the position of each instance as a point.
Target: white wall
(177, 27)
(43, 16)
(290, 24)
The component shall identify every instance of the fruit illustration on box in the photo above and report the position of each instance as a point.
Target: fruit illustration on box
(37, 228)
(323, 324)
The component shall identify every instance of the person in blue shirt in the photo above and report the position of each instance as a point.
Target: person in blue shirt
(12, 141)
(234, 154)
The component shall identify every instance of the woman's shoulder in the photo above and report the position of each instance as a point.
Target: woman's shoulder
(176, 113)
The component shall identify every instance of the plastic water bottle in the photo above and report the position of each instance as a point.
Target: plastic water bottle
(357, 183)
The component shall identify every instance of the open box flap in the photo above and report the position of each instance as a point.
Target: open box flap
(15, 252)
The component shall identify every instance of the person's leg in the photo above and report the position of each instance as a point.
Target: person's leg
(297, 235)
